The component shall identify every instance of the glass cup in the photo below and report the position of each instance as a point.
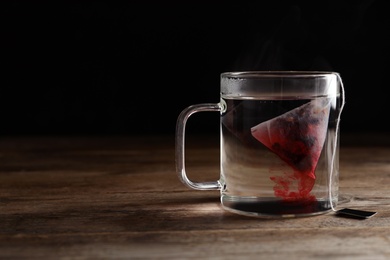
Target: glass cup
(279, 142)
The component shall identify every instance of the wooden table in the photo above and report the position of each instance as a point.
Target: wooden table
(119, 197)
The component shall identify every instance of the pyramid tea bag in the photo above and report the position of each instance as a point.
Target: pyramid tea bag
(297, 137)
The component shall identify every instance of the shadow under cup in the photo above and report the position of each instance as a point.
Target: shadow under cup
(279, 148)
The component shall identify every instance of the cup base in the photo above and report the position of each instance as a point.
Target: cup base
(275, 208)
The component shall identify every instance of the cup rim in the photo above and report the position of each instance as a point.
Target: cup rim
(276, 74)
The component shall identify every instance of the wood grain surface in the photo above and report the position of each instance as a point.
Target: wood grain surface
(118, 197)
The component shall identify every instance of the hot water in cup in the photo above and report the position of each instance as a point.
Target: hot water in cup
(279, 142)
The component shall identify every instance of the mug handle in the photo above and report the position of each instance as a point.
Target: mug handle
(180, 145)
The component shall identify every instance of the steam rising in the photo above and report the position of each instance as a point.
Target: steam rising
(304, 37)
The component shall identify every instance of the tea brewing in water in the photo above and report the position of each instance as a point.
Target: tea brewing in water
(279, 153)
(279, 147)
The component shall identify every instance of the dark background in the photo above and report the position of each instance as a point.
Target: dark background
(93, 67)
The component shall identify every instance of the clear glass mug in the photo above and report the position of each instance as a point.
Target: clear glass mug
(279, 142)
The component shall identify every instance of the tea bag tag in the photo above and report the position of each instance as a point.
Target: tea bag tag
(354, 213)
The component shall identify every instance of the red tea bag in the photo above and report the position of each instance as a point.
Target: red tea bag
(297, 137)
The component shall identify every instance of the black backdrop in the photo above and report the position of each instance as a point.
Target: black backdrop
(93, 67)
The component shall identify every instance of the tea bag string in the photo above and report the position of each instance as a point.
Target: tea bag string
(335, 141)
